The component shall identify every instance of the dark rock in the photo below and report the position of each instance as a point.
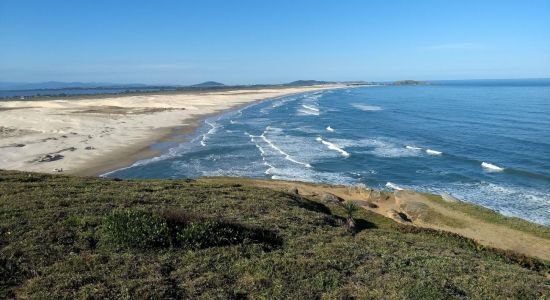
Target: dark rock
(331, 198)
(50, 157)
(397, 216)
(416, 210)
(371, 205)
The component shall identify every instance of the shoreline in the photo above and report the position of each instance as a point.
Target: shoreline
(171, 92)
(90, 136)
(127, 157)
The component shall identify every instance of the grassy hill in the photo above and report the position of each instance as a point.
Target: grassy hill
(70, 237)
(208, 84)
(306, 83)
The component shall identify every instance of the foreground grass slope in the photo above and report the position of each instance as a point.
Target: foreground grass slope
(54, 243)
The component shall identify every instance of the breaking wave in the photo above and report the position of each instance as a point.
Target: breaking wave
(433, 152)
(490, 167)
(212, 130)
(333, 146)
(365, 107)
(276, 148)
(393, 186)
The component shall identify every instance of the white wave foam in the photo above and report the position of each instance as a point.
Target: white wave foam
(270, 167)
(310, 175)
(365, 107)
(381, 147)
(491, 167)
(333, 146)
(262, 152)
(212, 130)
(413, 148)
(275, 147)
(286, 155)
(511, 200)
(393, 186)
(433, 152)
(312, 108)
(277, 104)
(313, 96)
(303, 112)
(330, 129)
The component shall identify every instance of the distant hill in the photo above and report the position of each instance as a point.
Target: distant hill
(55, 85)
(307, 82)
(209, 84)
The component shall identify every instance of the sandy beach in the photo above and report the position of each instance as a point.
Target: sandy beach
(93, 136)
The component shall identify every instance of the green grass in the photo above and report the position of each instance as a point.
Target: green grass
(437, 218)
(53, 245)
(493, 217)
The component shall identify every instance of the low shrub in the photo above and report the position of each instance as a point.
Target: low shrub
(140, 229)
(199, 235)
(136, 229)
(212, 233)
(10, 274)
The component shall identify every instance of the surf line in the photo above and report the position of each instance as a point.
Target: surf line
(332, 146)
(310, 107)
(269, 166)
(274, 147)
(491, 167)
(307, 112)
(394, 186)
(212, 130)
(433, 152)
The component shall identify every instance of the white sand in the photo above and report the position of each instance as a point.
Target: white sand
(119, 128)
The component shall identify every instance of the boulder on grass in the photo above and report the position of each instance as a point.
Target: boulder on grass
(331, 198)
(416, 210)
(397, 216)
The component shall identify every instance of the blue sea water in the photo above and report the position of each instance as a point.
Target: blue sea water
(480, 141)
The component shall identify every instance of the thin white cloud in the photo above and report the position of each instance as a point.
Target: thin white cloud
(163, 66)
(454, 46)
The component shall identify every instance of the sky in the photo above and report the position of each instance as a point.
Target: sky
(250, 41)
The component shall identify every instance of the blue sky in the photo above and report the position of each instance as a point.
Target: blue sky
(183, 42)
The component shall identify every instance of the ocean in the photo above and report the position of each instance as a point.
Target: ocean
(485, 142)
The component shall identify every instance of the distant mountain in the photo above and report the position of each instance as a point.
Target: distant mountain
(56, 85)
(208, 84)
(307, 82)
(62, 85)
